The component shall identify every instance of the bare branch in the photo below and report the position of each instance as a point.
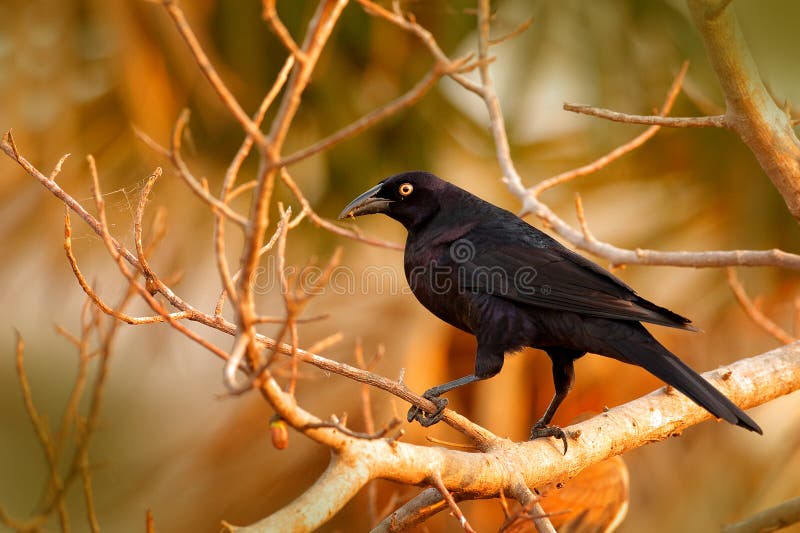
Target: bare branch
(91, 513)
(755, 314)
(208, 70)
(618, 152)
(718, 121)
(336, 486)
(233, 363)
(319, 30)
(750, 110)
(33, 526)
(57, 169)
(368, 435)
(42, 432)
(651, 418)
(617, 256)
(474, 432)
(90, 292)
(582, 219)
(190, 180)
(426, 37)
(282, 223)
(436, 480)
(270, 14)
(370, 119)
(417, 510)
(771, 519)
(258, 117)
(532, 508)
(521, 27)
(155, 284)
(328, 225)
(227, 194)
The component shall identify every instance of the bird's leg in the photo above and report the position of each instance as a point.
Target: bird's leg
(428, 419)
(563, 378)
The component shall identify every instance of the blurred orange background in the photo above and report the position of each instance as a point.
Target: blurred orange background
(75, 76)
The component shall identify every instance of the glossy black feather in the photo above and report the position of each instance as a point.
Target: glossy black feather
(488, 272)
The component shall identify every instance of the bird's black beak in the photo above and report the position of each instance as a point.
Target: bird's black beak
(366, 204)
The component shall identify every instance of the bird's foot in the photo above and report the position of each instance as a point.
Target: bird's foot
(542, 430)
(428, 419)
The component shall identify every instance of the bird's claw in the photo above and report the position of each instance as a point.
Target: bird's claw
(428, 419)
(541, 430)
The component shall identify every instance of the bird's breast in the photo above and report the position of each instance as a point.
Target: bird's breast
(433, 280)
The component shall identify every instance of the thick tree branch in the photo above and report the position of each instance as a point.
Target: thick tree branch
(750, 110)
(654, 417)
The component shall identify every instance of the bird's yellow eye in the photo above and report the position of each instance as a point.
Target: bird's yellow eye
(405, 189)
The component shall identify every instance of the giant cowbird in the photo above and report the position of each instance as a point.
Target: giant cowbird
(488, 272)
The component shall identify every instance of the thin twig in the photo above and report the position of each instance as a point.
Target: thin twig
(233, 363)
(326, 342)
(369, 427)
(370, 119)
(90, 292)
(270, 14)
(282, 225)
(716, 121)
(521, 27)
(70, 416)
(587, 234)
(328, 225)
(184, 172)
(436, 481)
(319, 30)
(154, 283)
(208, 70)
(34, 525)
(57, 169)
(282, 320)
(397, 18)
(755, 314)
(42, 433)
(227, 195)
(149, 522)
(532, 508)
(392, 424)
(91, 513)
(772, 519)
(618, 152)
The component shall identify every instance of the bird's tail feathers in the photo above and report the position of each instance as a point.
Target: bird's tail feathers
(666, 366)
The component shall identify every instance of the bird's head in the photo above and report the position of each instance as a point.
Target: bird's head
(411, 198)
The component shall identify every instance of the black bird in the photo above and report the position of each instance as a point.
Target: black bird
(488, 272)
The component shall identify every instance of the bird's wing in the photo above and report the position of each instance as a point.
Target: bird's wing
(537, 270)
